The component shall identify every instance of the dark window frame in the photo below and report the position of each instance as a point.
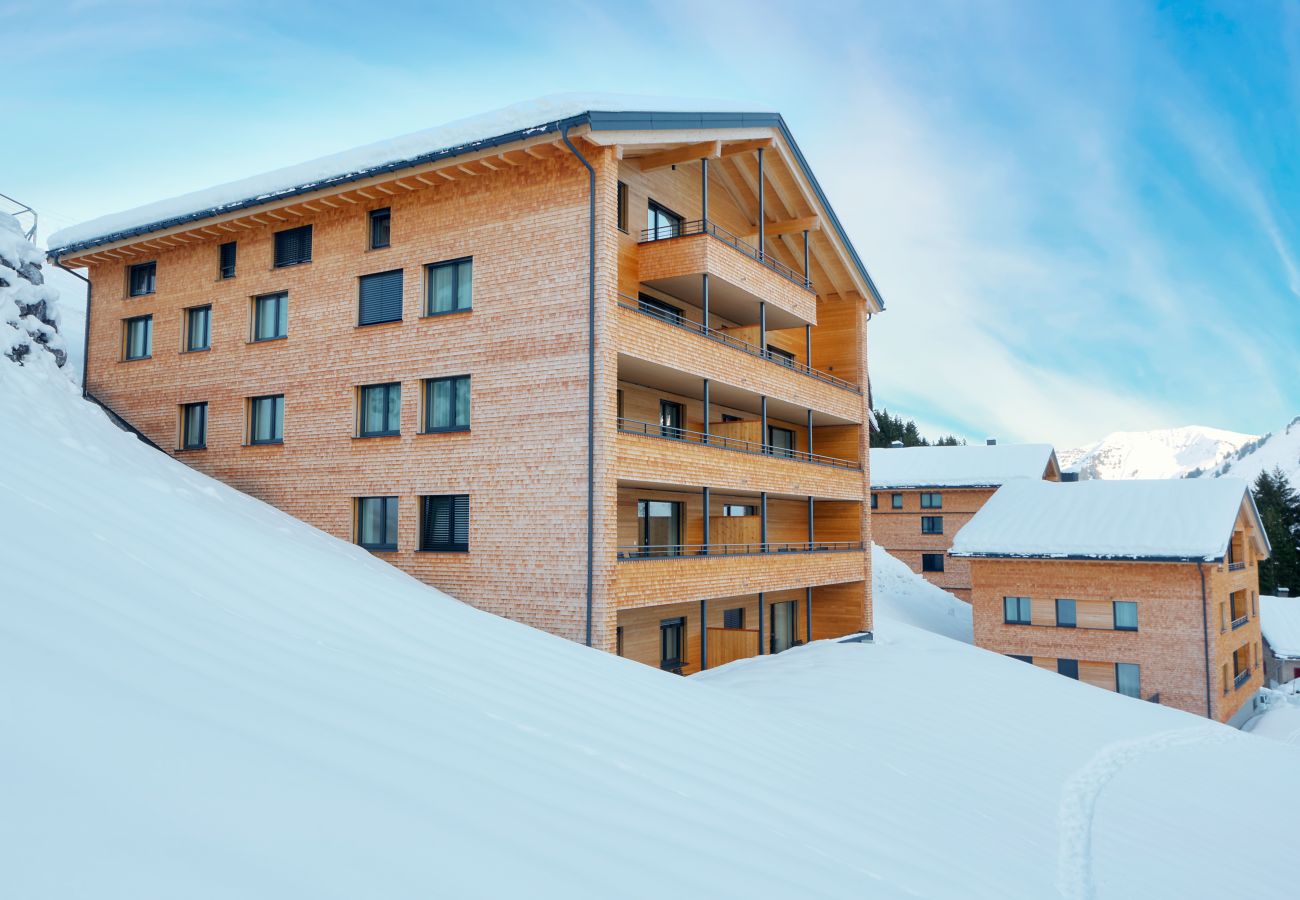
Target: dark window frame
(656, 210)
(734, 619)
(281, 316)
(875, 500)
(927, 562)
(390, 515)
(380, 280)
(620, 206)
(186, 408)
(380, 227)
(459, 383)
(226, 267)
(253, 406)
(128, 325)
(457, 508)
(1118, 690)
(895, 501)
(1074, 613)
(931, 500)
(1024, 614)
(190, 312)
(430, 280)
(363, 392)
(666, 427)
(929, 526)
(289, 245)
(677, 627)
(779, 356)
(773, 449)
(752, 510)
(677, 523)
(1114, 614)
(1068, 667)
(1020, 657)
(149, 275)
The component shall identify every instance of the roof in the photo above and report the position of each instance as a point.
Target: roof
(1279, 619)
(555, 113)
(1166, 520)
(980, 465)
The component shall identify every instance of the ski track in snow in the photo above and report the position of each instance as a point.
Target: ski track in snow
(1080, 793)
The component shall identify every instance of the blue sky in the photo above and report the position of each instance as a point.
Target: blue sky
(1081, 215)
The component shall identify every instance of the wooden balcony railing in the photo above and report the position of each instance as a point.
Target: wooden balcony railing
(700, 226)
(698, 551)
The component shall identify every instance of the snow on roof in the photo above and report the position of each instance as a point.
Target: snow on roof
(981, 465)
(1279, 619)
(462, 135)
(1166, 519)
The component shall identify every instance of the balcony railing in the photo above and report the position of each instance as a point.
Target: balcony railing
(700, 226)
(1242, 678)
(677, 551)
(1236, 566)
(672, 433)
(1238, 622)
(735, 343)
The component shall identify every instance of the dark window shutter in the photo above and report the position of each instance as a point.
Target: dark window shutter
(293, 246)
(381, 298)
(445, 523)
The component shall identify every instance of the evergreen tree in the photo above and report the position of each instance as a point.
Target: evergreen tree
(1279, 510)
(890, 428)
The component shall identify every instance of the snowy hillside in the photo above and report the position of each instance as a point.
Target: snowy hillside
(902, 596)
(1275, 449)
(1164, 453)
(206, 698)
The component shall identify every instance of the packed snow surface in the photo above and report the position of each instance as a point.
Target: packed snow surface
(1275, 450)
(1159, 519)
(206, 698)
(1162, 453)
(1280, 720)
(903, 596)
(971, 466)
(463, 133)
(1279, 619)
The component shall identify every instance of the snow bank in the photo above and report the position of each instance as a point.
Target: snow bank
(1279, 619)
(29, 308)
(899, 595)
(461, 134)
(973, 466)
(1164, 519)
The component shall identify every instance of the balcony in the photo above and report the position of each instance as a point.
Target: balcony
(699, 226)
(723, 442)
(677, 551)
(1242, 678)
(1238, 622)
(1236, 566)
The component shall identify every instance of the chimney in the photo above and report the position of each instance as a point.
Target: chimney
(1283, 592)
(896, 443)
(991, 442)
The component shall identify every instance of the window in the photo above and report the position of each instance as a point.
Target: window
(931, 524)
(139, 337)
(622, 206)
(1028, 659)
(449, 286)
(1066, 614)
(618, 640)
(198, 328)
(381, 298)
(271, 317)
(659, 525)
(266, 419)
(671, 415)
(931, 501)
(142, 278)
(377, 523)
(1128, 679)
(672, 643)
(783, 626)
(733, 618)
(780, 441)
(444, 523)
(661, 222)
(659, 309)
(226, 259)
(776, 354)
(895, 501)
(931, 562)
(293, 246)
(1126, 615)
(380, 409)
(737, 509)
(446, 404)
(1017, 610)
(728, 417)
(875, 501)
(1068, 667)
(381, 221)
(194, 426)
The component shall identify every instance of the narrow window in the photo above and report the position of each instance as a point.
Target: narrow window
(198, 328)
(738, 509)
(380, 228)
(1126, 615)
(266, 419)
(142, 278)
(194, 426)
(271, 317)
(380, 409)
(895, 501)
(293, 246)
(653, 306)
(931, 524)
(381, 298)
(671, 417)
(660, 526)
(733, 618)
(139, 337)
(618, 640)
(449, 286)
(444, 523)
(875, 501)
(661, 223)
(1068, 667)
(780, 441)
(1128, 679)
(931, 562)
(622, 206)
(1066, 616)
(931, 501)
(783, 626)
(446, 404)
(226, 254)
(1017, 610)
(377, 523)
(672, 644)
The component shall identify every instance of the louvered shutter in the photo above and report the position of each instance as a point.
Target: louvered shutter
(445, 524)
(381, 298)
(293, 246)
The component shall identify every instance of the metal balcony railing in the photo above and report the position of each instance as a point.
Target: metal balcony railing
(1242, 678)
(677, 551)
(1236, 566)
(1238, 622)
(672, 433)
(700, 226)
(735, 343)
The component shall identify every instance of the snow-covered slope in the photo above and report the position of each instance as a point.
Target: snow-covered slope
(1277, 449)
(902, 596)
(1164, 453)
(206, 698)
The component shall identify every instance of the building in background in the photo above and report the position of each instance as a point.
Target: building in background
(1149, 588)
(1279, 620)
(601, 370)
(922, 496)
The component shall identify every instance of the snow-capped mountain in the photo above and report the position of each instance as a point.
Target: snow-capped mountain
(1277, 449)
(1162, 453)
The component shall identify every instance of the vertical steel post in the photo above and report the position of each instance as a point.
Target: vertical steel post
(704, 634)
(810, 428)
(705, 276)
(762, 327)
(760, 623)
(762, 519)
(811, 531)
(807, 346)
(762, 402)
(807, 615)
(707, 504)
(706, 410)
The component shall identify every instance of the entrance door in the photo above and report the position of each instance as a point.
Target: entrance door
(660, 524)
(782, 626)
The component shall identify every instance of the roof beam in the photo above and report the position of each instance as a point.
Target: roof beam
(748, 146)
(790, 226)
(689, 153)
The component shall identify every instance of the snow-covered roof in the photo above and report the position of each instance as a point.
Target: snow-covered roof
(1166, 519)
(1279, 619)
(981, 465)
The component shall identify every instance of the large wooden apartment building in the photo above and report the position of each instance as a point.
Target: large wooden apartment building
(596, 367)
(1149, 588)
